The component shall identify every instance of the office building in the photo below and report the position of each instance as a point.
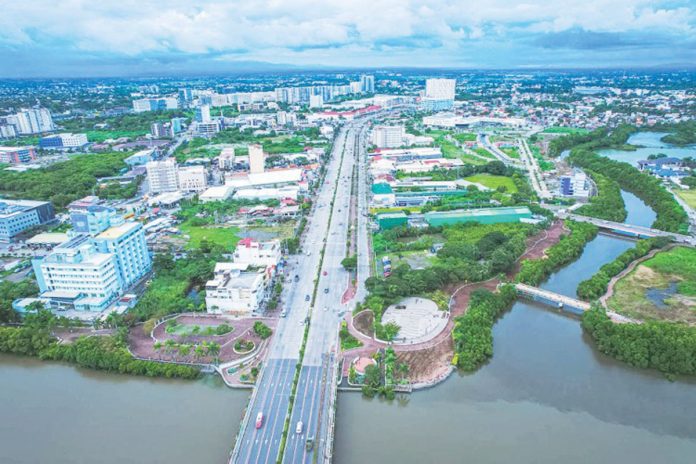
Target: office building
(127, 243)
(193, 179)
(388, 136)
(207, 129)
(440, 89)
(63, 141)
(367, 83)
(185, 95)
(177, 125)
(16, 216)
(17, 155)
(257, 159)
(162, 176)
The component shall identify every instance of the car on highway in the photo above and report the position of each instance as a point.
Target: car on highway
(259, 420)
(309, 444)
(283, 313)
(326, 290)
(325, 273)
(297, 278)
(298, 429)
(307, 298)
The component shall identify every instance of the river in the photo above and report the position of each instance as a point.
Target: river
(547, 396)
(649, 143)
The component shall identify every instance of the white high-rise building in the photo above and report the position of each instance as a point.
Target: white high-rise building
(226, 159)
(316, 101)
(388, 136)
(32, 121)
(162, 176)
(367, 83)
(257, 159)
(193, 179)
(203, 113)
(440, 89)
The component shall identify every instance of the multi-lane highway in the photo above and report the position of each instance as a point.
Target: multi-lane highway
(327, 229)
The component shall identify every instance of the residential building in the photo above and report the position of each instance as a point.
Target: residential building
(177, 125)
(162, 176)
(440, 89)
(7, 131)
(16, 216)
(233, 290)
(193, 178)
(257, 159)
(155, 104)
(65, 140)
(160, 130)
(31, 121)
(258, 254)
(203, 113)
(207, 129)
(17, 155)
(316, 101)
(388, 136)
(226, 160)
(367, 83)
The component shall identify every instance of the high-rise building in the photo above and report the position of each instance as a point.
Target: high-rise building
(177, 125)
(440, 89)
(203, 113)
(155, 104)
(257, 159)
(32, 121)
(193, 178)
(316, 101)
(185, 95)
(226, 160)
(158, 130)
(367, 83)
(388, 136)
(162, 176)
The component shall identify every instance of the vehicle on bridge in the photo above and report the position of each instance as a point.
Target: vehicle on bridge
(298, 429)
(259, 420)
(309, 444)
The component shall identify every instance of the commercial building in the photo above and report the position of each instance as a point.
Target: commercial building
(233, 290)
(483, 216)
(217, 193)
(63, 141)
(162, 176)
(257, 159)
(383, 195)
(258, 254)
(17, 155)
(267, 193)
(193, 179)
(16, 216)
(127, 243)
(388, 136)
(177, 125)
(89, 216)
(577, 185)
(226, 160)
(140, 158)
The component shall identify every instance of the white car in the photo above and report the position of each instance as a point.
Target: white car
(298, 429)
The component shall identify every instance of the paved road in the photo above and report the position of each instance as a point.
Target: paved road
(287, 342)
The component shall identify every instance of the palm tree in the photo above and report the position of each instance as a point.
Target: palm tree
(214, 351)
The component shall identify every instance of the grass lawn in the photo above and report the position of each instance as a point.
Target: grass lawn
(472, 232)
(465, 137)
(512, 152)
(483, 152)
(224, 236)
(661, 288)
(565, 130)
(493, 182)
(281, 231)
(689, 196)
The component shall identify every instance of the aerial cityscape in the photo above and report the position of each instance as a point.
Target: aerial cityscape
(350, 232)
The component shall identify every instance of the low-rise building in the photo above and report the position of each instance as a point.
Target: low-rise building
(64, 141)
(16, 216)
(17, 155)
(217, 193)
(234, 290)
(258, 254)
(193, 179)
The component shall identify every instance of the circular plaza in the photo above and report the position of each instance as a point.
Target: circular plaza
(419, 320)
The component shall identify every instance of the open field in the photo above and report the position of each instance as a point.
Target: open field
(661, 288)
(223, 236)
(689, 196)
(512, 152)
(493, 182)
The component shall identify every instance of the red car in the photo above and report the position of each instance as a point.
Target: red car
(259, 420)
(325, 273)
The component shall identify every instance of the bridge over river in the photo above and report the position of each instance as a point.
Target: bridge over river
(629, 230)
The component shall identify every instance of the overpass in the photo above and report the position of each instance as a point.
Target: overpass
(629, 230)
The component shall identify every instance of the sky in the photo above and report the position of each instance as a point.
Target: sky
(83, 38)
